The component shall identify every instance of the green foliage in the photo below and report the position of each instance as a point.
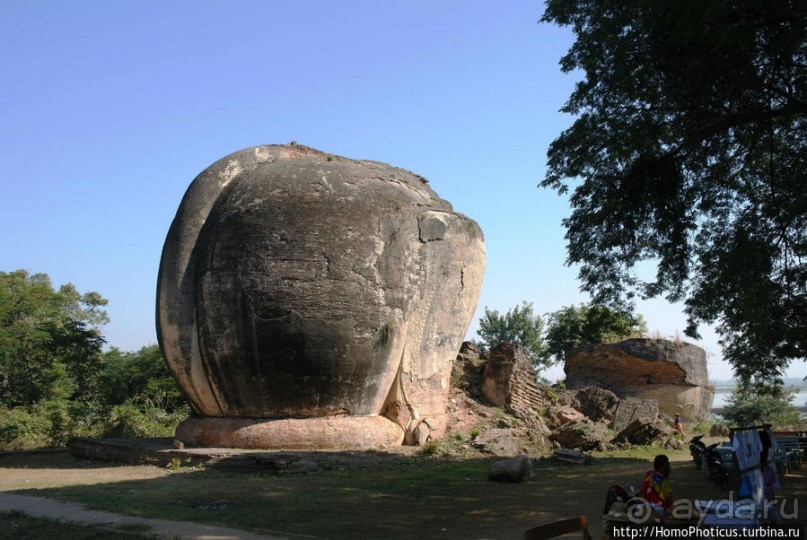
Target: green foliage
(55, 383)
(748, 408)
(688, 151)
(430, 449)
(702, 427)
(581, 326)
(22, 429)
(50, 344)
(131, 419)
(519, 326)
(141, 395)
(23, 527)
(53, 424)
(177, 464)
(140, 376)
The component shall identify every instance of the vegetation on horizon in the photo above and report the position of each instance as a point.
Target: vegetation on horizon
(547, 343)
(56, 382)
(745, 407)
(588, 325)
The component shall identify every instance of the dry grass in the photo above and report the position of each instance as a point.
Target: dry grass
(401, 497)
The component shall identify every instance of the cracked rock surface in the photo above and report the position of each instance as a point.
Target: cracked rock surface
(295, 284)
(671, 372)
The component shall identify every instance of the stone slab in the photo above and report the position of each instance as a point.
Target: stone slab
(359, 432)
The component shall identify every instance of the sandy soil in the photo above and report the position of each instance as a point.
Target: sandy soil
(36, 470)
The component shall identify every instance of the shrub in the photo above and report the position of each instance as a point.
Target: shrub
(21, 429)
(132, 419)
(746, 408)
(431, 448)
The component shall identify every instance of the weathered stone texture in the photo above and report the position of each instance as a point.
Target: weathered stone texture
(515, 470)
(633, 409)
(641, 431)
(719, 430)
(295, 284)
(582, 434)
(499, 442)
(509, 380)
(596, 403)
(294, 433)
(564, 414)
(672, 373)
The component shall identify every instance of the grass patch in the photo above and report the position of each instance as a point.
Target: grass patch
(18, 526)
(428, 489)
(431, 497)
(646, 453)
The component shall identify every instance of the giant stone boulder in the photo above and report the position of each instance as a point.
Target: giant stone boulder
(311, 301)
(582, 434)
(597, 403)
(672, 373)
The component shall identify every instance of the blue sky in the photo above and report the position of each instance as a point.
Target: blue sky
(110, 109)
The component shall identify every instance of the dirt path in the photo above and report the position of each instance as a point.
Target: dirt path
(36, 470)
(77, 513)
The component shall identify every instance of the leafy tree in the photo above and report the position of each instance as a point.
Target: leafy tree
(140, 376)
(583, 325)
(519, 326)
(746, 407)
(50, 343)
(690, 150)
(55, 383)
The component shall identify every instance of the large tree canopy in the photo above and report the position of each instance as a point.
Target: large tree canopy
(55, 382)
(50, 343)
(689, 150)
(519, 326)
(585, 326)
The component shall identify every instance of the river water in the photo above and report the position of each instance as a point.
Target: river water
(722, 395)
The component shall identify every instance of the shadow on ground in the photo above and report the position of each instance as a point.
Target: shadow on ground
(364, 495)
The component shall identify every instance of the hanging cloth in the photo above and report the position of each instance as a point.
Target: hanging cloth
(747, 446)
(769, 474)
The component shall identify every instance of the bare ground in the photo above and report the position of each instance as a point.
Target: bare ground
(555, 492)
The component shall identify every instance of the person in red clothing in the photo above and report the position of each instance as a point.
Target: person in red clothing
(656, 485)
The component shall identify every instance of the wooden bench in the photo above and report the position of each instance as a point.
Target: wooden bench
(559, 528)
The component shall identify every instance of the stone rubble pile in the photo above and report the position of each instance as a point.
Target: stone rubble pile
(541, 418)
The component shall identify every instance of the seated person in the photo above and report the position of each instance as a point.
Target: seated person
(656, 486)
